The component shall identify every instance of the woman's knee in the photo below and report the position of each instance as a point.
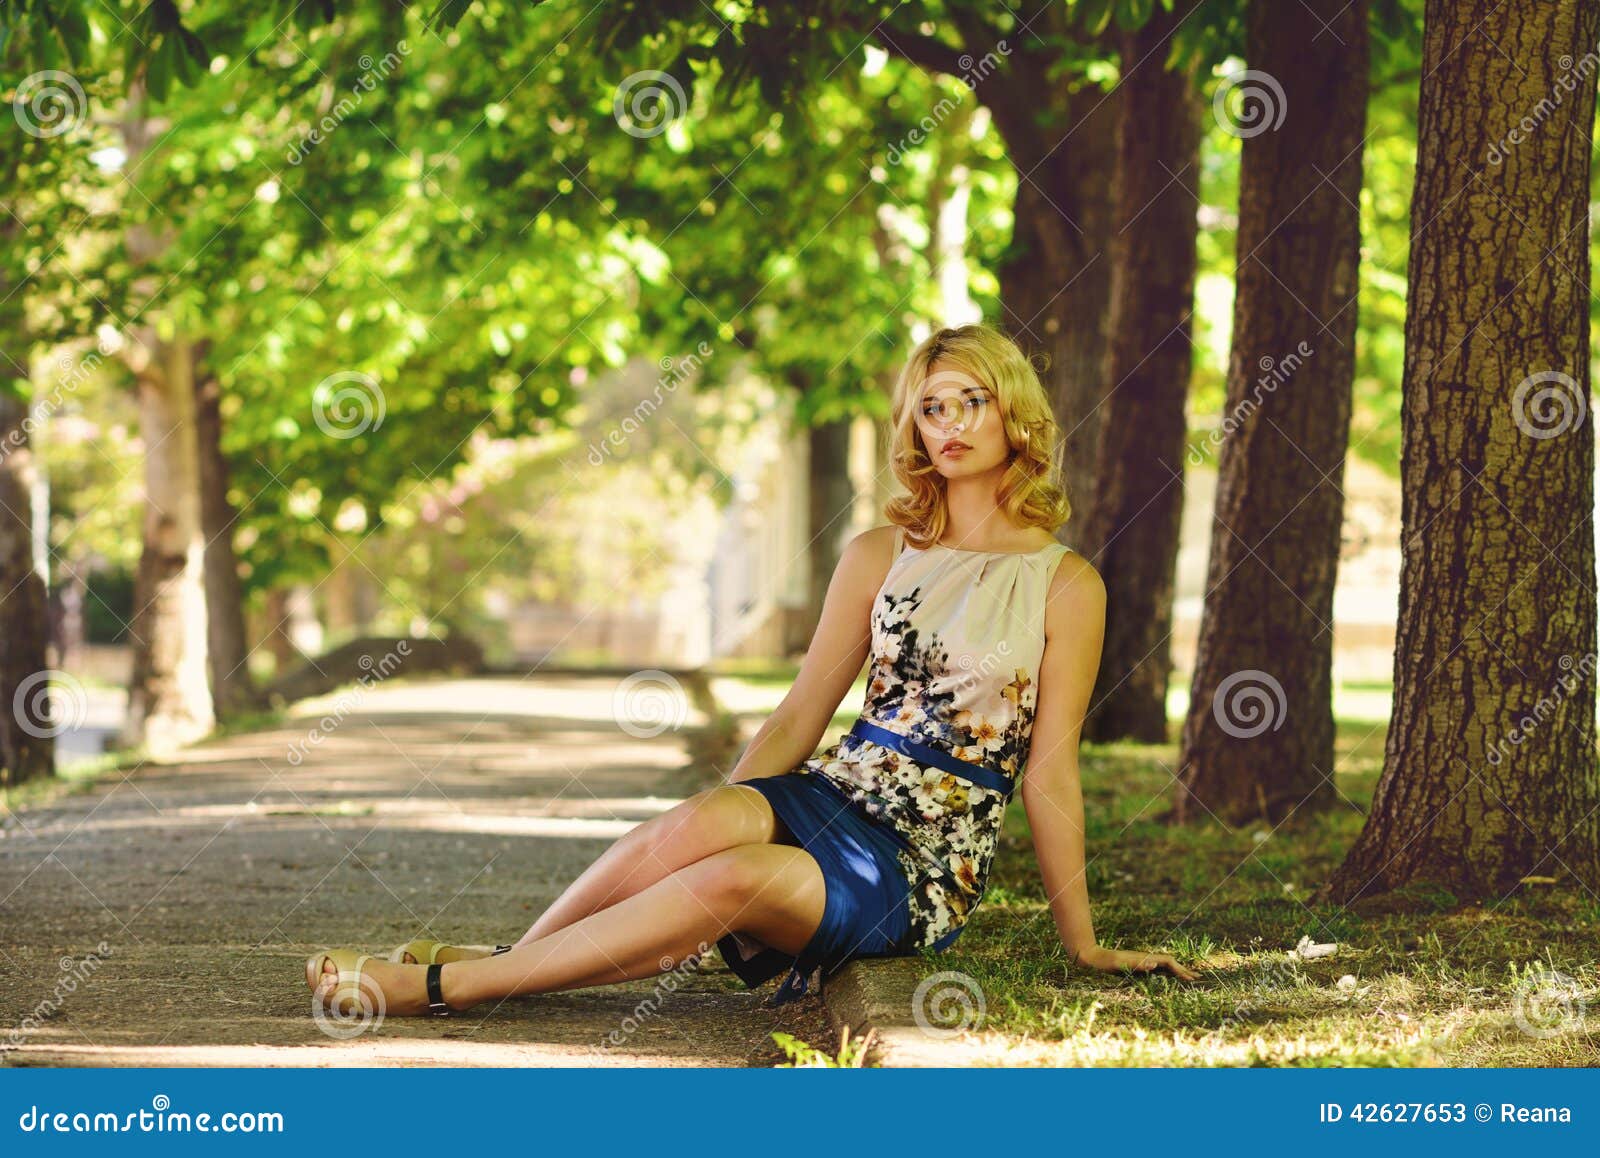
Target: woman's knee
(752, 873)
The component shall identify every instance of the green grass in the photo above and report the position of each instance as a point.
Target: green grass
(1418, 979)
(804, 1055)
(75, 778)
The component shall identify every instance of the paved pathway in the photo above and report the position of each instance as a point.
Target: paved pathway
(457, 808)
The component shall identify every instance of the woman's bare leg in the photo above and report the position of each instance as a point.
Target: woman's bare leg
(773, 892)
(708, 822)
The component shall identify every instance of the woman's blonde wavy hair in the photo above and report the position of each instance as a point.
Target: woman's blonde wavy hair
(1030, 491)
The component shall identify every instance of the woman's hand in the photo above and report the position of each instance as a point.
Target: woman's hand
(1118, 960)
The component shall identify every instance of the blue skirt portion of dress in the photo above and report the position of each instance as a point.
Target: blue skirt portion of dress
(866, 910)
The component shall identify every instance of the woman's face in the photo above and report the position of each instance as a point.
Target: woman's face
(959, 420)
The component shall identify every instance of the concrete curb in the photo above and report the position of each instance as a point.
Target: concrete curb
(880, 995)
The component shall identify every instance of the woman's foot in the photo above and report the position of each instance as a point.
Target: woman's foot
(395, 990)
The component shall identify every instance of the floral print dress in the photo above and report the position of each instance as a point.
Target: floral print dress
(957, 638)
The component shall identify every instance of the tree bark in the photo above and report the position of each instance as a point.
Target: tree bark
(169, 702)
(1258, 740)
(1132, 531)
(1055, 281)
(274, 635)
(27, 729)
(829, 500)
(1489, 764)
(227, 647)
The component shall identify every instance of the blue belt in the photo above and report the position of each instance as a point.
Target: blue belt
(980, 774)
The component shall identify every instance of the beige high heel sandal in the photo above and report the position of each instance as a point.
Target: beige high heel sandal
(427, 952)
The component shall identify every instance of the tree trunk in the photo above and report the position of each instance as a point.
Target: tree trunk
(829, 498)
(1055, 282)
(67, 616)
(169, 703)
(27, 728)
(227, 649)
(1060, 132)
(1489, 765)
(274, 634)
(1132, 532)
(1258, 740)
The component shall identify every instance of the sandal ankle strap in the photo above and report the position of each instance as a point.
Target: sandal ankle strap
(436, 1003)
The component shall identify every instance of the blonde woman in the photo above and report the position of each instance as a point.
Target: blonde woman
(984, 637)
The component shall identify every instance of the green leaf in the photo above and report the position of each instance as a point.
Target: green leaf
(158, 71)
(191, 61)
(73, 26)
(448, 13)
(1093, 15)
(1134, 14)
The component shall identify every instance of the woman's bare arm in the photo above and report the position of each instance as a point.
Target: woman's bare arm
(838, 649)
(1051, 788)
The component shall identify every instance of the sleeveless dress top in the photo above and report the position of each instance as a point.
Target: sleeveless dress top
(957, 638)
